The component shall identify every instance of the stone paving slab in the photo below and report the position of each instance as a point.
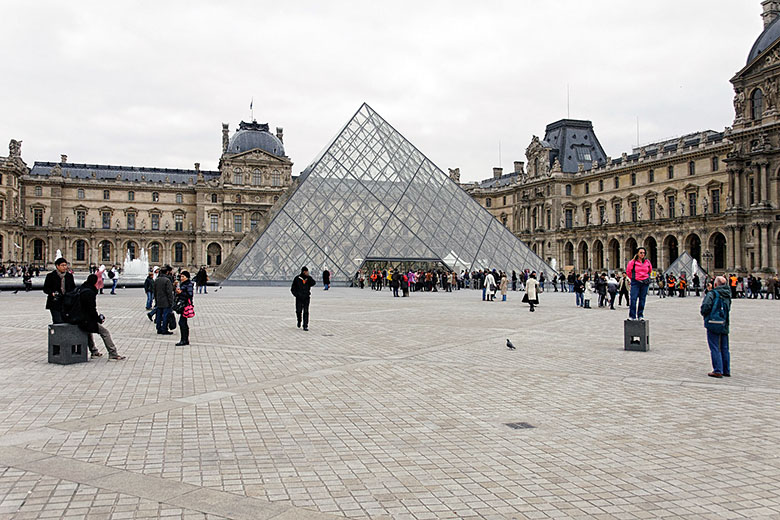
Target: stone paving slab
(396, 408)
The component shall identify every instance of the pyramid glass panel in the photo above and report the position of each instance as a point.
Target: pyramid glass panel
(372, 195)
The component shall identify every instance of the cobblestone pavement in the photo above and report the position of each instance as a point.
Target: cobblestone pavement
(391, 408)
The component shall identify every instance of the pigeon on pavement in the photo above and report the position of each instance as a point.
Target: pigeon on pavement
(509, 345)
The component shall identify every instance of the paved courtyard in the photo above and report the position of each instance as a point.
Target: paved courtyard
(391, 408)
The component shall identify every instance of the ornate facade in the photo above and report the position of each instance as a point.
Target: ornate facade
(98, 213)
(713, 194)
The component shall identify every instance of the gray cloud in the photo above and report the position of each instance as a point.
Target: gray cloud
(149, 83)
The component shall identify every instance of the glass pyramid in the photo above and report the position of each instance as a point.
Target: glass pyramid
(372, 195)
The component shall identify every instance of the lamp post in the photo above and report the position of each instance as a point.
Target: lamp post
(707, 256)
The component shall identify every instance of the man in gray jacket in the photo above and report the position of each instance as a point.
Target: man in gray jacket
(163, 295)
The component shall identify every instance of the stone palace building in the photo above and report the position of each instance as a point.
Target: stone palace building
(99, 213)
(713, 194)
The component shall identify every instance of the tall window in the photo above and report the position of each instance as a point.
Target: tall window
(569, 219)
(504, 204)
(80, 193)
(651, 176)
(254, 220)
(601, 185)
(106, 218)
(617, 213)
(155, 196)
(155, 221)
(692, 204)
(651, 207)
(81, 250)
(276, 179)
(587, 188)
(179, 198)
(670, 171)
(617, 182)
(178, 252)
(38, 191)
(257, 177)
(757, 105)
(238, 223)
(105, 251)
(633, 178)
(238, 198)
(549, 219)
(81, 219)
(2, 212)
(130, 195)
(634, 212)
(715, 202)
(752, 189)
(238, 177)
(106, 194)
(214, 221)
(178, 222)
(691, 168)
(568, 190)
(602, 214)
(38, 217)
(587, 216)
(672, 211)
(38, 250)
(213, 198)
(131, 221)
(488, 202)
(154, 252)
(715, 163)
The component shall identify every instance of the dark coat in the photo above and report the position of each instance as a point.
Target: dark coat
(706, 305)
(52, 286)
(201, 277)
(149, 285)
(326, 277)
(301, 286)
(89, 317)
(163, 292)
(186, 293)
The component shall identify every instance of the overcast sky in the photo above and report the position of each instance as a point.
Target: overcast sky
(149, 83)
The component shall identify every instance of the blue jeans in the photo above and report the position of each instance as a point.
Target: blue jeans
(162, 319)
(580, 299)
(113, 287)
(149, 299)
(638, 295)
(719, 351)
(571, 287)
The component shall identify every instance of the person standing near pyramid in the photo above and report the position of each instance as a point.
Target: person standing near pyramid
(301, 289)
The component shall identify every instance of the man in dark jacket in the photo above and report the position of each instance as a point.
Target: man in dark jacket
(163, 295)
(91, 322)
(57, 283)
(718, 342)
(149, 290)
(301, 289)
(326, 279)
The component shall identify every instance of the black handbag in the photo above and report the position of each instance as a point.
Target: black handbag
(171, 322)
(178, 306)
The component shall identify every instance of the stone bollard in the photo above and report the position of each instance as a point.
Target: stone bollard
(68, 344)
(636, 335)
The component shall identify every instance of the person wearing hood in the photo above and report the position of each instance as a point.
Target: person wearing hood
(301, 289)
(715, 309)
(91, 322)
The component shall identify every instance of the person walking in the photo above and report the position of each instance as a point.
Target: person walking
(163, 295)
(715, 309)
(697, 284)
(56, 284)
(326, 280)
(612, 289)
(202, 280)
(639, 268)
(101, 272)
(113, 274)
(623, 288)
(184, 295)
(91, 322)
(531, 296)
(149, 290)
(301, 289)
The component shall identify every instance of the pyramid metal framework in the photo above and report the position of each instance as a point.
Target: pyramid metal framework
(684, 264)
(372, 195)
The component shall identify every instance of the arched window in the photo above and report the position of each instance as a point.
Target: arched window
(276, 179)
(238, 198)
(81, 251)
(38, 247)
(178, 252)
(757, 104)
(214, 254)
(154, 252)
(105, 251)
(213, 198)
(568, 190)
(257, 177)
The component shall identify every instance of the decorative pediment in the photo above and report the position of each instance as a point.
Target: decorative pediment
(80, 207)
(130, 210)
(714, 185)
(632, 197)
(615, 200)
(670, 191)
(690, 187)
(650, 194)
(104, 209)
(256, 155)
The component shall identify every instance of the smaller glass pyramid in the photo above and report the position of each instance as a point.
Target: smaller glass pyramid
(372, 194)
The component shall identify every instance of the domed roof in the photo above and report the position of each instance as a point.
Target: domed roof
(770, 35)
(255, 135)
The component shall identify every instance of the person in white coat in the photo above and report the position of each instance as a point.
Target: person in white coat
(531, 291)
(490, 287)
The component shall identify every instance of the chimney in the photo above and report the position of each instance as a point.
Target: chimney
(519, 166)
(771, 11)
(280, 133)
(497, 172)
(63, 158)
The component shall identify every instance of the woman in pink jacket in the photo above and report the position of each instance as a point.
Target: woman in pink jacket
(638, 271)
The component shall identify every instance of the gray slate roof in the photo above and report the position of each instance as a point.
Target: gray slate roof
(567, 137)
(251, 136)
(125, 173)
(504, 180)
(765, 40)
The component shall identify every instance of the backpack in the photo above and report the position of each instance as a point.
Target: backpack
(111, 274)
(715, 321)
(71, 306)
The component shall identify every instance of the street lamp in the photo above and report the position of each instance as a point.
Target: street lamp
(707, 256)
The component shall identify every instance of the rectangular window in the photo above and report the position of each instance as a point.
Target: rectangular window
(549, 219)
(106, 217)
(178, 222)
(2, 212)
(238, 178)
(568, 190)
(38, 217)
(651, 176)
(178, 252)
(131, 221)
(238, 223)
(569, 219)
(617, 182)
(691, 168)
(587, 216)
(633, 178)
(601, 185)
(130, 195)
(634, 214)
(602, 214)
(617, 213)
(715, 202)
(752, 189)
(80, 194)
(672, 211)
(670, 171)
(587, 188)
(214, 220)
(715, 163)
(651, 207)
(106, 194)
(504, 200)
(155, 221)
(692, 204)
(81, 219)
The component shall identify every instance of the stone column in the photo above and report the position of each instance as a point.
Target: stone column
(738, 188)
(767, 183)
(731, 249)
(764, 263)
(738, 248)
(759, 195)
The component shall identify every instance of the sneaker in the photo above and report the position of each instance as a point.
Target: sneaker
(117, 357)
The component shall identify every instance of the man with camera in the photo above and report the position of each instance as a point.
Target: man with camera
(57, 283)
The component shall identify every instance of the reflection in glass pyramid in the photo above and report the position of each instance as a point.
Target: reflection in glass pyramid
(372, 194)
